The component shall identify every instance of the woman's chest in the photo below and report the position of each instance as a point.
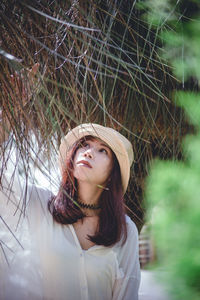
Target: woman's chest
(84, 229)
(67, 248)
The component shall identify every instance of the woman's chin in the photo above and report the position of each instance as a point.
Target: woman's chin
(87, 180)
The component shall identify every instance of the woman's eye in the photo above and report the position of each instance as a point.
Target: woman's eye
(85, 145)
(103, 151)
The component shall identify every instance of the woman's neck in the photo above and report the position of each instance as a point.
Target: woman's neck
(89, 194)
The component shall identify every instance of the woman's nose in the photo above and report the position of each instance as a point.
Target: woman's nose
(88, 153)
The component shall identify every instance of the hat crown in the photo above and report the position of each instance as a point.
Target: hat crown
(127, 145)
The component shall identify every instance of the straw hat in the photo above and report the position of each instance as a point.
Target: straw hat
(117, 142)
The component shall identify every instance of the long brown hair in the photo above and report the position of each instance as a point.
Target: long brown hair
(64, 208)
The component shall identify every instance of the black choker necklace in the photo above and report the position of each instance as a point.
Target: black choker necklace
(89, 206)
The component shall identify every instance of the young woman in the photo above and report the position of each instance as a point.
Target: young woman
(79, 244)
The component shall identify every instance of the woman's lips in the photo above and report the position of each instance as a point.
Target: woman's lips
(85, 163)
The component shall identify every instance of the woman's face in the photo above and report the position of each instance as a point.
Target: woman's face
(93, 162)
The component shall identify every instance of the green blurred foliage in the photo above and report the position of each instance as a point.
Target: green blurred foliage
(178, 23)
(173, 187)
(173, 191)
(182, 49)
(151, 9)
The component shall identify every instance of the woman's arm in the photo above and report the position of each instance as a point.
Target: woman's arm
(127, 284)
(13, 188)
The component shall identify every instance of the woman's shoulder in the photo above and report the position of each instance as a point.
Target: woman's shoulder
(38, 197)
(132, 236)
(131, 227)
(127, 250)
(38, 191)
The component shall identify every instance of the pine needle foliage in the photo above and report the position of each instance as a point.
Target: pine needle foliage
(99, 61)
(173, 187)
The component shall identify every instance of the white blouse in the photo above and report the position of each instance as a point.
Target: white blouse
(45, 260)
